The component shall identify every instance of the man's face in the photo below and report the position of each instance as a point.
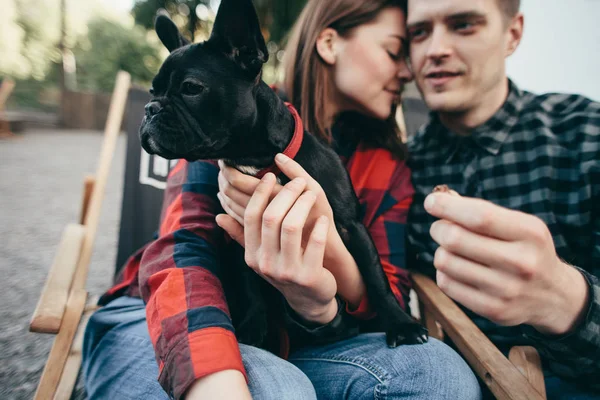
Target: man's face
(457, 51)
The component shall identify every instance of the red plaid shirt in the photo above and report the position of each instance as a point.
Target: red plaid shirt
(176, 275)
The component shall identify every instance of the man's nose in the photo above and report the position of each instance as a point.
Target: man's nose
(153, 108)
(439, 45)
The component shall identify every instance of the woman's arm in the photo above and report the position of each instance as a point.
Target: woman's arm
(187, 314)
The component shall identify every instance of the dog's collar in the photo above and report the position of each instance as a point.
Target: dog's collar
(292, 148)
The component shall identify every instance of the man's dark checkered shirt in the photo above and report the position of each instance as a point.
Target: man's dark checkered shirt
(539, 155)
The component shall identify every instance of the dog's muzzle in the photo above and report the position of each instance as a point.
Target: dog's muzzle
(153, 108)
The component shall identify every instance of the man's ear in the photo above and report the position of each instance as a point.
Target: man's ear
(515, 33)
(327, 45)
(168, 33)
(237, 33)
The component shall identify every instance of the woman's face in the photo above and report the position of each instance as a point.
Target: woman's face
(370, 66)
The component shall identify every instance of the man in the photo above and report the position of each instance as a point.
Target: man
(525, 260)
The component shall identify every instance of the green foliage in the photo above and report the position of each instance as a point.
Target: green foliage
(110, 47)
(183, 11)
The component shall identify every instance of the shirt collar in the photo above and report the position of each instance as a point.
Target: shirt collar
(489, 136)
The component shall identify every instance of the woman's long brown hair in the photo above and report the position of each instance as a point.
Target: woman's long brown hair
(308, 79)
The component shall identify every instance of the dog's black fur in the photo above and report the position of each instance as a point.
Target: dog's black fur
(210, 103)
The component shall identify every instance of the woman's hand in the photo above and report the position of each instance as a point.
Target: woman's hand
(272, 234)
(235, 191)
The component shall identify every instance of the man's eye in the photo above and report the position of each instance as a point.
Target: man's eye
(464, 26)
(416, 34)
(192, 88)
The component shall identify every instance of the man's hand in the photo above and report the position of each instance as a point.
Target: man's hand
(502, 264)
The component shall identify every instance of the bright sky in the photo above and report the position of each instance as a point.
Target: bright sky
(560, 51)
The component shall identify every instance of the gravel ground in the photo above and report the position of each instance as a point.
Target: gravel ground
(41, 180)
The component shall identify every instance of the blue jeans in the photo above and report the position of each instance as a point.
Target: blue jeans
(119, 363)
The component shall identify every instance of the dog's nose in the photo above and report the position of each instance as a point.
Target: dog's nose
(153, 108)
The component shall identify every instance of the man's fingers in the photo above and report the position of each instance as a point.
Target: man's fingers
(254, 212)
(481, 216)
(481, 249)
(470, 297)
(472, 274)
(315, 248)
(232, 227)
(292, 227)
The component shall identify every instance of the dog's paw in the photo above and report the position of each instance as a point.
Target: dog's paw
(413, 333)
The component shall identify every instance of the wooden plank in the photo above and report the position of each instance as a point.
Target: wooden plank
(49, 312)
(428, 320)
(5, 90)
(111, 134)
(61, 346)
(503, 379)
(70, 373)
(88, 188)
(528, 362)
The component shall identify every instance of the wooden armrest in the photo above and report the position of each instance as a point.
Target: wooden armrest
(59, 353)
(49, 312)
(528, 362)
(503, 378)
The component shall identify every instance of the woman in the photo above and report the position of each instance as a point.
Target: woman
(160, 322)
(345, 69)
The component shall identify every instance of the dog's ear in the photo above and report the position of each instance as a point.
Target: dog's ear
(168, 33)
(237, 33)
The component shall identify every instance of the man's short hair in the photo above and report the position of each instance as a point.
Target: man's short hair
(510, 8)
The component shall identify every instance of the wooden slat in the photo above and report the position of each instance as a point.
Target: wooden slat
(111, 134)
(503, 378)
(69, 375)
(88, 188)
(428, 320)
(61, 346)
(528, 362)
(49, 312)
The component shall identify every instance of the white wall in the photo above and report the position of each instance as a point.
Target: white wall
(560, 50)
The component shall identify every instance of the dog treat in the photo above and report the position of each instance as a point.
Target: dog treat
(444, 189)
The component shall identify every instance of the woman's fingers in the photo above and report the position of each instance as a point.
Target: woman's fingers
(254, 215)
(232, 227)
(315, 248)
(244, 183)
(275, 212)
(231, 208)
(236, 195)
(292, 228)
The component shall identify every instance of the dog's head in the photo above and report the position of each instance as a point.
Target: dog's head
(204, 95)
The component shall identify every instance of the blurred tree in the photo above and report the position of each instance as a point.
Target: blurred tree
(182, 11)
(109, 47)
(193, 16)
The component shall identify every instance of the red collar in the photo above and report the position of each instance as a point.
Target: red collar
(292, 148)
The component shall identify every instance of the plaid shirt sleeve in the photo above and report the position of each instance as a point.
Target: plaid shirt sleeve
(383, 186)
(187, 314)
(577, 355)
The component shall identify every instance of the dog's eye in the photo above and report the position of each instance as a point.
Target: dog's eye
(192, 88)
(151, 91)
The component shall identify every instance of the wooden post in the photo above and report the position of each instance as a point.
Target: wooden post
(111, 134)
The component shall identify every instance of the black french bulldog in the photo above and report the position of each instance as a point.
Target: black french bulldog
(209, 103)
